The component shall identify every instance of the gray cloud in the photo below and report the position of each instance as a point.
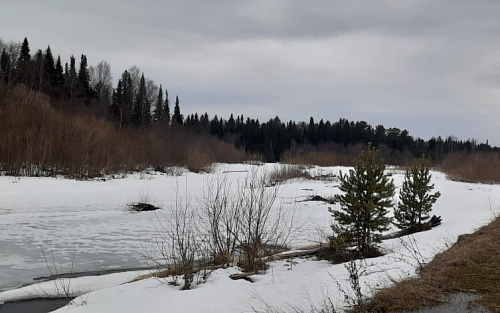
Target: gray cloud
(431, 67)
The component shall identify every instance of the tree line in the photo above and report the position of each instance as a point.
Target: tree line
(137, 102)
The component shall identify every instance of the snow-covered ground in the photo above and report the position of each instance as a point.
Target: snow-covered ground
(84, 225)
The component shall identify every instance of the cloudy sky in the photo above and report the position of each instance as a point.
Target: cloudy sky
(431, 67)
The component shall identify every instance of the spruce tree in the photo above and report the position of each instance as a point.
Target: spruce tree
(140, 102)
(5, 68)
(415, 199)
(166, 109)
(23, 63)
(71, 78)
(127, 103)
(158, 112)
(366, 194)
(24, 53)
(39, 69)
(59, 73)
(177, 118)
(49, 68)
(83, 79)
(146, 112)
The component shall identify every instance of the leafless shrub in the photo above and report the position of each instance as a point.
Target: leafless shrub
(473, 167)
(413, 252)
(245, 221)
(220, 219)
(264, 224)
(180, 246)
(352, 296)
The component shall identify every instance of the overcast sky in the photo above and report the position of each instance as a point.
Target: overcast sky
(431, 67)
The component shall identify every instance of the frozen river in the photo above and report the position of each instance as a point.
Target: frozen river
(85, 226)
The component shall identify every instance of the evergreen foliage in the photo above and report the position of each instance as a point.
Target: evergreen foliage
(166, 109)
(70, 77)
(177, 118)
(366, 194)
(5, 68)
(83, 79)
(23, 63)
(158, 112)
(415, 199)
(59, 72)
(138, 118)
(49, 68)
(38, 70)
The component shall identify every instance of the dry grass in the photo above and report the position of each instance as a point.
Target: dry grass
(471, 265)
(473, 167)
(284, 172)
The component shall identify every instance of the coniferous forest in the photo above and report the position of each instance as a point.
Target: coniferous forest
(142, 118)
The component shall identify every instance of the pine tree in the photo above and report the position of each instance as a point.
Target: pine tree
(366, 194)
(158, 112)
(177, 118)
(415, 199)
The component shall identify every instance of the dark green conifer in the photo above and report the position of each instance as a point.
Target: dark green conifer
(71, 78)
(59, 74)
(49, 68)
(142, 108)
(158, 112)
(83, 79)
(415, 199)
(39, 70)
(177, 118)
(366, 195)
(166, 109)
(5, 68)
(23, 63)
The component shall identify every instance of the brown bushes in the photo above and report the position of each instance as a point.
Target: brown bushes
(328, 154)
(38, 140)
(324, 155)
(473, 167)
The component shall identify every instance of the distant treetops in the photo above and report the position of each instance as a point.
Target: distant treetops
(137, 102)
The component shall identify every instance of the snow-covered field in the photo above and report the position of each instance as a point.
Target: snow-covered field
(84, 225)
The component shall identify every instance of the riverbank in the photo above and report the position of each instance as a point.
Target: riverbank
(470, 266)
